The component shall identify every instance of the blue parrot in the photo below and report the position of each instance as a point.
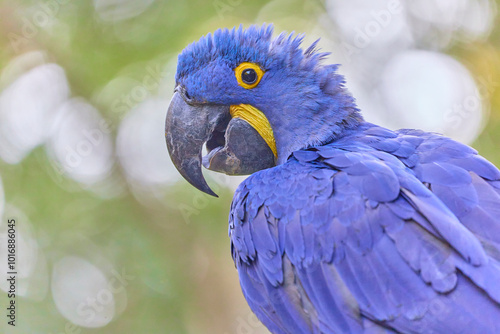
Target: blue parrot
(343, 226)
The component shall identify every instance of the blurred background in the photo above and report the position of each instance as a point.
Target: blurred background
(110, 239)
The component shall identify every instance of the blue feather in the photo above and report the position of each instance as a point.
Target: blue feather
(375, 243)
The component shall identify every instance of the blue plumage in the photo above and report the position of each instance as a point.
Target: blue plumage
(381, 243)
(358, 229)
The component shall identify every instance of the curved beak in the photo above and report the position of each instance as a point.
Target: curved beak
(234, 146)
(187, 128)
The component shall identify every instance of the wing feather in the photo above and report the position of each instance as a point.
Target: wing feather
(390, 232)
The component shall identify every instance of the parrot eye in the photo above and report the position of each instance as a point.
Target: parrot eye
(248, 75)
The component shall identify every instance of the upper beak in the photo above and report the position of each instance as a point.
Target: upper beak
(187, 128)
(234, 146)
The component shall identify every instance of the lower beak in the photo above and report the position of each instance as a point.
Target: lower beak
(244, 151)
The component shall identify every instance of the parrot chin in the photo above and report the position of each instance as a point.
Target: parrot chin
(234, 146)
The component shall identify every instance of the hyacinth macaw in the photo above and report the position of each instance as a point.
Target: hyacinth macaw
(343, 226)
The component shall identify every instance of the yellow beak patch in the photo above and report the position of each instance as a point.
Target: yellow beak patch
(258, 121)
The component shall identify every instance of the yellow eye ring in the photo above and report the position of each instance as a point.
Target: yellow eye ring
(248, 75)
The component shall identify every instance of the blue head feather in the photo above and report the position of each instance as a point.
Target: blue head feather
(305, 101)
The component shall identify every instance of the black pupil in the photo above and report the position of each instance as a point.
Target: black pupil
(249, 76)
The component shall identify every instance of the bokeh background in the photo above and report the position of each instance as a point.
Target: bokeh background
(110, 239)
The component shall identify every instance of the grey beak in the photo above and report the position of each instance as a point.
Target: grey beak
(234, 146)
(187, 128)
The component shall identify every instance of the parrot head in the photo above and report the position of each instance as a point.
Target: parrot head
(252, 100)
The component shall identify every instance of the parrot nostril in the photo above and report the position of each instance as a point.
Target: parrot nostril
(185, 95)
